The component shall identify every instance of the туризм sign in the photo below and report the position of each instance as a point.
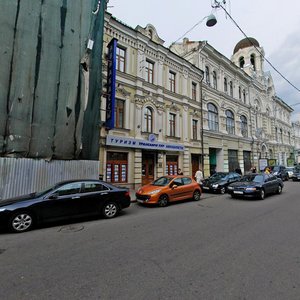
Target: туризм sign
(142, 144)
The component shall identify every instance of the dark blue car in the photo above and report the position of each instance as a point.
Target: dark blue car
(256, 186)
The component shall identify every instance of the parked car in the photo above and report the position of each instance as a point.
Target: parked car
(296, 174)
(290, 171)
(219, 181)
(280, 172)
(256, 186)
(64, 200)
(167, 189)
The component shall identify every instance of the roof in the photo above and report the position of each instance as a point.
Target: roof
(245, 43)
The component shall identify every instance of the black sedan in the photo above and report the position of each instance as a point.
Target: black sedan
(219, 181)
(64, 200)
(256, 186)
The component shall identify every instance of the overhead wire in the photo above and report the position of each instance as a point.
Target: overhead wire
(257, 49)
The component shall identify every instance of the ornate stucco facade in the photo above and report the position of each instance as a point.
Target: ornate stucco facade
(170, 114)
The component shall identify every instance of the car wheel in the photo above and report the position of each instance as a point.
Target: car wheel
(21, 221)
(222, 190)
(163, 201)
(279, 190)
(262, 195)
(197, 195)
(110, 210)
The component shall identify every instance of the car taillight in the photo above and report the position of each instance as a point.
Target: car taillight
(127, 194)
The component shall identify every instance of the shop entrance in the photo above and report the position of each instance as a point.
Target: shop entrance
(147, 168)
(196, 163)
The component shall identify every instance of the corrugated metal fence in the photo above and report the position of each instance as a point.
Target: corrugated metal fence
(22, 176)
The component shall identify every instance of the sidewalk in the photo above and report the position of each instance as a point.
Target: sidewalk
(132, 195)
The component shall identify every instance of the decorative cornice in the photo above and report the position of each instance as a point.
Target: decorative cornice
(148, 99)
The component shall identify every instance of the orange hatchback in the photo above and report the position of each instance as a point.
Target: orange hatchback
(167, 189)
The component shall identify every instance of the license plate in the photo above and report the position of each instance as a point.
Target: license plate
(238, 192)
(140, 201)
(206, 188)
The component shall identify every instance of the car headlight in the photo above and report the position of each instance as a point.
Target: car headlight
(215, 186)
(154, 192)
(251, 189)
(230, 188)
(2, 209)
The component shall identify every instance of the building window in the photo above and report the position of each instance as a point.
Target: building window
(276, 133)
(116, 167)
(171, 164)
(195, 129)
(172, 77)
(230, 122)
(148, 119)
(119, 113)
(215, 80)
(244, 126)
(149, 71)
(240, 93)
(281, 135)
(252, 61)
(225, 85)
(207, 75)
(120, 60)
(244, 95)
(242, 61)
(231, 88)
(213, 117)
(289, 136)
(172, 124)
(194, 91)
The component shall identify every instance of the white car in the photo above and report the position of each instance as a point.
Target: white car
(290, 171)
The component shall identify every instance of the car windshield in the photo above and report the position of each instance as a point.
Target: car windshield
(219, 176)
(276, 169)
(253, 178)
(162, 181)
(46, 191)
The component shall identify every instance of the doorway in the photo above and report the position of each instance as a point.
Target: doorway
(196, 163)
(147, 168)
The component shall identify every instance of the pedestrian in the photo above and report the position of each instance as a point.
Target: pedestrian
(253, 169)
(179, 172)
(199, 176)
(238, 170)
(267, 170)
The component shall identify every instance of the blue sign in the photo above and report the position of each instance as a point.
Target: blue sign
(111, 84)
(143, 144)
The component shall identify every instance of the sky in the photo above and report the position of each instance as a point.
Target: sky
(274, 24)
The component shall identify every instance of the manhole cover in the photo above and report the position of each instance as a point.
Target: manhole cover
(71, 228)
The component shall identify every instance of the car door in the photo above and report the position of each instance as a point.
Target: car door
(177, 191)
(274, 183)
(268, 184)
(93, 195)
(62, 203)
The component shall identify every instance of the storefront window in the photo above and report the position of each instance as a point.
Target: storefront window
(116, 167)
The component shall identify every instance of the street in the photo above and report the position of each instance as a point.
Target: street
(216, 248)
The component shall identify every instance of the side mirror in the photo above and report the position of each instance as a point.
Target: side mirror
(53, 196)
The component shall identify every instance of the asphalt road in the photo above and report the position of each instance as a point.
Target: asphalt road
(217, 248)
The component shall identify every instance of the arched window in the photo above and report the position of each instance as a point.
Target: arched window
(252, 61)
(244, 126)
(242, 62)
(225, 85)
(229, 122)
(213, 117)
(214, 80)
(148, 119)
(231, 88)
(207, 75)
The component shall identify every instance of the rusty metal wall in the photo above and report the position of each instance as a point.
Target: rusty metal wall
(22, 176)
